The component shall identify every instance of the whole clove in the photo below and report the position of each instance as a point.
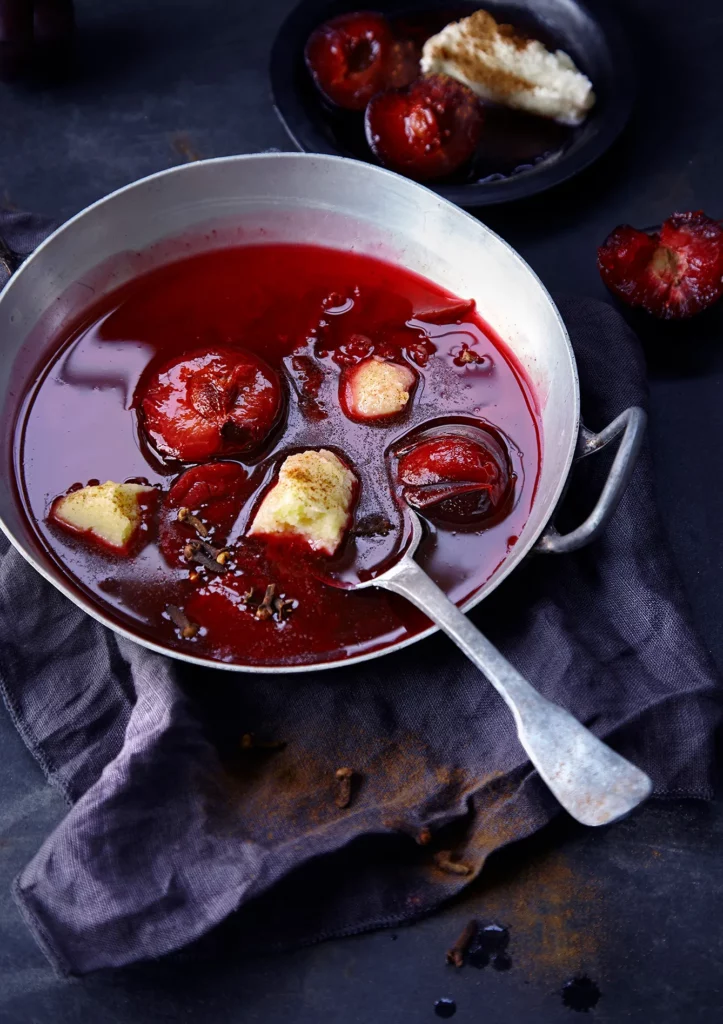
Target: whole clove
(179, 618)
(271, 604)
(283, 607)
(456, 954)
(186, 516)
(444, 862)
(344, 777)
(266, 609)
(208, 562)
(220, 555)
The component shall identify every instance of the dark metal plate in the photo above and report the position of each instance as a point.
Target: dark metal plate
(588, 31)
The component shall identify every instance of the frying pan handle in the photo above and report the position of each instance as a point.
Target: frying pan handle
(631, 424)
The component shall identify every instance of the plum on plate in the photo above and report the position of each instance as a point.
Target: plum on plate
(354, 56)
(427, 130)
(224, 402)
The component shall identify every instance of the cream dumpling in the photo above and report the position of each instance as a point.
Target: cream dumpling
(109, 514)
(506, 68)
(312, 499)
(376, 389)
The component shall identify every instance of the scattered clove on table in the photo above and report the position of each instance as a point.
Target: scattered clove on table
(456, 954)
(344, 778)
(445, 863)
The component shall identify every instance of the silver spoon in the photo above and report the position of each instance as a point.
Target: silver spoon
(593, 783)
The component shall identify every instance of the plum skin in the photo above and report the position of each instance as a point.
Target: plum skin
(210, 403)
(458, 478)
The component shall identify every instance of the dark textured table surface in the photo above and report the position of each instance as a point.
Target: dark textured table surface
(638, 907)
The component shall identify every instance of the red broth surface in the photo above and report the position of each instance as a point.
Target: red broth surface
(298, 307)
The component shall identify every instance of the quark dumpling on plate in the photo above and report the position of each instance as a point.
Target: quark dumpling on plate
(312, 499)
(509, 69)
(108, 514)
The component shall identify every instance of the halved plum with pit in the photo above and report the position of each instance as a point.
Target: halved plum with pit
(460, 478)
(427, 130)
(212, 496)
(352, 57)
(673, 273)
(224, 402)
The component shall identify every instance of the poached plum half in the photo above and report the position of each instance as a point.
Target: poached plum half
(223, 402)
(211, 497)
(462, 477)
(427, 130)
(355, 56)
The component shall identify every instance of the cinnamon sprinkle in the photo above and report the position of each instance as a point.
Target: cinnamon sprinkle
(480, 33)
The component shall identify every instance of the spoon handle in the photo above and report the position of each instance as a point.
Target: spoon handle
(593, 783)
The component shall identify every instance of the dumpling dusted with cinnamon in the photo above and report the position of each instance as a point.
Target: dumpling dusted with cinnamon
(376, 389)
(109, 516)
(312, 499)
(505, 67)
